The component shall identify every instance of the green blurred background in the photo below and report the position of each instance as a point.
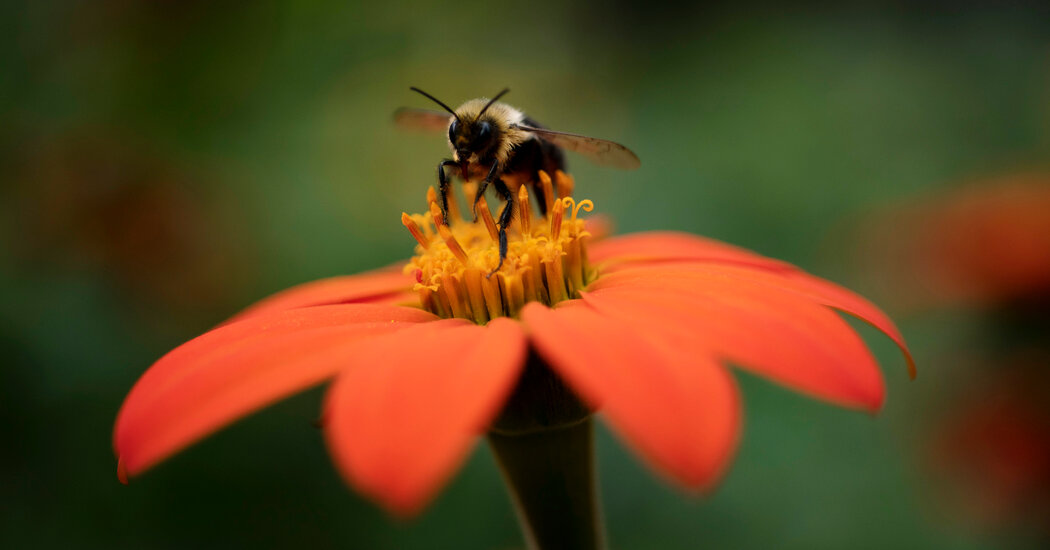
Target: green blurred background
(166, 163)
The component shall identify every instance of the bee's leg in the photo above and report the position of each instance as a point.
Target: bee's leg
(504, 221)
(481, 188)
(443, 187)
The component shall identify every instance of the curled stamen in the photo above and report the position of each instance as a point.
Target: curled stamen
(414, 229)
(586, 204)
(548, 191)
(524, 209)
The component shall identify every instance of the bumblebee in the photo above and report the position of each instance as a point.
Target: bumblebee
(499, 144)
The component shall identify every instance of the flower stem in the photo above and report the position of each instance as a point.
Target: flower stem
(544, 444)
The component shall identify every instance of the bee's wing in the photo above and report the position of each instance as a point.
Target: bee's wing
(600, 151)
(422, 119)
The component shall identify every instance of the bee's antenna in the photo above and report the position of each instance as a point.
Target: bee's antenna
(493, 100)
(435, 100)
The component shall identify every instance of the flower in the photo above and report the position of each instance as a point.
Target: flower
(981, 245)
(639, 326)
(990, 446)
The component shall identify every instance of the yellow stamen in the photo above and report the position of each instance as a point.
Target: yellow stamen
(413, 228)
(426, 223)
(486, 217)
(472, 277)
(453, 244)
(586, 205)
(546, 261)
(548, 191)
(574, 209)
(555, 281)
(460, 306)
(493, 301)
(524, 209)
(565, 183)
(435, 213)
(557, 212)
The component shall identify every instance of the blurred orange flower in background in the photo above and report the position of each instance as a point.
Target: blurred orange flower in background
(995, 437)
(983, 248)
(640, 327)
(985, 244)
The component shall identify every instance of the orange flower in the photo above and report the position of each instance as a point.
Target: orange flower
(640, 327)
(985, 244)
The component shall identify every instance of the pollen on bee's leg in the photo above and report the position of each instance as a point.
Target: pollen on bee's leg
(565, 183)
(525, 210)
(548, 191)
(414, 229)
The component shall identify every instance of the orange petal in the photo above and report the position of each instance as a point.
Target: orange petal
(666, 246)
(364, 287)
(680, 410)
(403, 414)
(796, 281)
(780, 335)
(214, 379)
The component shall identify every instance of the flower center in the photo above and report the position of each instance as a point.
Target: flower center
(456, 259)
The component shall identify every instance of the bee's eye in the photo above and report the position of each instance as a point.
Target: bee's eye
(484, 132)
(453, 129)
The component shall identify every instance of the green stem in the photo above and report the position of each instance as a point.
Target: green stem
(544, 444)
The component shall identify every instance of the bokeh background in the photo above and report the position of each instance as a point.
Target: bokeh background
(163, 164)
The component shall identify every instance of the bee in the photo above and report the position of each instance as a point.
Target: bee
(498, 143)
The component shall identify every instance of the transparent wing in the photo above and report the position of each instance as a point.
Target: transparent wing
(422, 119)
(600, 151)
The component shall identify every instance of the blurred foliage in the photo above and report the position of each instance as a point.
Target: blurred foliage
(165, 163)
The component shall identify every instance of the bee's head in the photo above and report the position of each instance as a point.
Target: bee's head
(472, 136)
